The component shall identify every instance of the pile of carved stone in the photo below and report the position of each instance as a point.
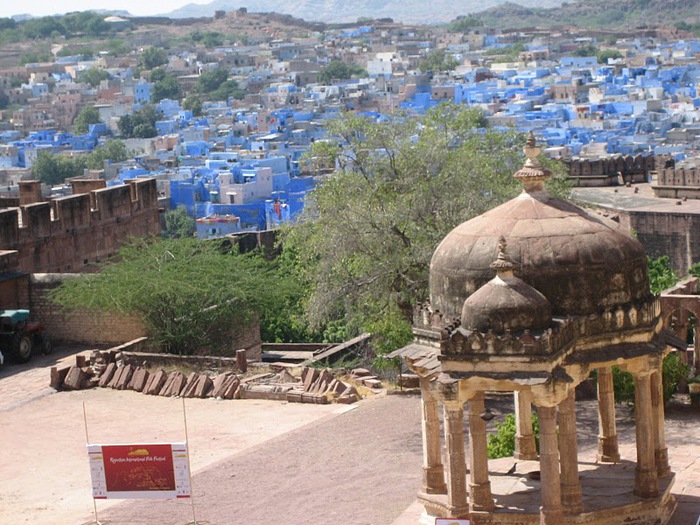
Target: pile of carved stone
(110, 369)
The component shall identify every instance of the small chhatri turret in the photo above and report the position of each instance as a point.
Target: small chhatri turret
(506, 302)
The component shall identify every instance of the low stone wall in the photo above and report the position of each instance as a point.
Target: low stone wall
(78, 326)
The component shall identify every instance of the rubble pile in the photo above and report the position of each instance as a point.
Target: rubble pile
(110, 369)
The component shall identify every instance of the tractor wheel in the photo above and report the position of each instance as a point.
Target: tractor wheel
(45, 345)
(21, 348)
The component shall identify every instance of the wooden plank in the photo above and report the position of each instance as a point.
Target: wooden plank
(339, 349)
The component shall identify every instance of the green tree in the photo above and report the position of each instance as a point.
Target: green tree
(110, 151)
(338, 70)
(88, 115)
(211, 80)
(166, 87)
(464, 24)
(191, 294)
(152, 57)
(661, 274)
(179, 224)
(94, 76)
(586, 50)
(367, 233)
(604, 54)
(4, 100)
(140, 124)
(54, 169)
(438, 60)
(193, 103)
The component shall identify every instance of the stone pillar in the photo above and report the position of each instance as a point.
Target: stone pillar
(571, 495)
(646, 483)
(525, 447)
(456, 459)
(433, 471)
(551, 512)
(607, 431)
(696, 347)
(479, 486)
(663, 469)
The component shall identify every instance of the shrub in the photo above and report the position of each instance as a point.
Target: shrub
(673, 371)
(502, 443)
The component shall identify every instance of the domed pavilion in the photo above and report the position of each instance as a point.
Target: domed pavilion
(531, 298)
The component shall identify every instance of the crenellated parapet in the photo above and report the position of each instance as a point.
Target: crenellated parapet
(70, 232)
(611, 171)
(457, 342)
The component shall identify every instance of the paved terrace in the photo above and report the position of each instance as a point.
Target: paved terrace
(256, 461)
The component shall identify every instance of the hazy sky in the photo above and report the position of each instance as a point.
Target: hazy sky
(135, 7)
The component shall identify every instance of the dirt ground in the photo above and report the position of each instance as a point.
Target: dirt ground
(254, 461)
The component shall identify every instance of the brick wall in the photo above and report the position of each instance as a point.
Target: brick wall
(93, 328)
(676, 235)
(68, 233)
(80, 326)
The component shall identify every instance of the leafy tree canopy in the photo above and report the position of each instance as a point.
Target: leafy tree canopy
(211, 80)
(140, 124)
(438, 60)
(368, 232)
(165, 85)
(193, 103)
(88, 115)
(661, 274)
(179, 224)
(191, 294)
(152, 57)
(464, 24)
(339, 70)
(54, 169)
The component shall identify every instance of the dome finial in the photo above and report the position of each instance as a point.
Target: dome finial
(532, 174)
(502, 265)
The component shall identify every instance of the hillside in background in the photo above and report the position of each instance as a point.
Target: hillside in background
(340, 11)
(603, 14)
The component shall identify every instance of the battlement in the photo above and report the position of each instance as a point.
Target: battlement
(613, 171)
(457, 342)
(70, 232)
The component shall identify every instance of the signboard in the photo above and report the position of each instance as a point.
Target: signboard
(148, 470)
(451, 521)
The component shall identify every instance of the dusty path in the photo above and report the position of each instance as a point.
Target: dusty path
(362, 467)
(254, 461)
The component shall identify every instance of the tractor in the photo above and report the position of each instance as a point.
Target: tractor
(19, 337)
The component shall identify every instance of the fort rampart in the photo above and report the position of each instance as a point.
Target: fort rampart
(69, 233)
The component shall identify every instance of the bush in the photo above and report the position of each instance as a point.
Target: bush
(673, 371)
(502, 443)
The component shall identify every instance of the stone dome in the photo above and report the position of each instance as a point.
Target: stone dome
(581, 263)
(506, 302)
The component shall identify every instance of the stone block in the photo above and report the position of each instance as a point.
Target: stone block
(408, 381)
(373, 383)
(294, 396)
(242, 360)
(177, 384)
(80, 361)
(108, 374)
(204, 386)
(232, 388)
(347, 399)
(139, 379)
(58, 376)
(360, 372)
(221, 383)
(125, 377)
(74, 378)
(311, 376)
(190, 385)
(116, 376)
(155, 383)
